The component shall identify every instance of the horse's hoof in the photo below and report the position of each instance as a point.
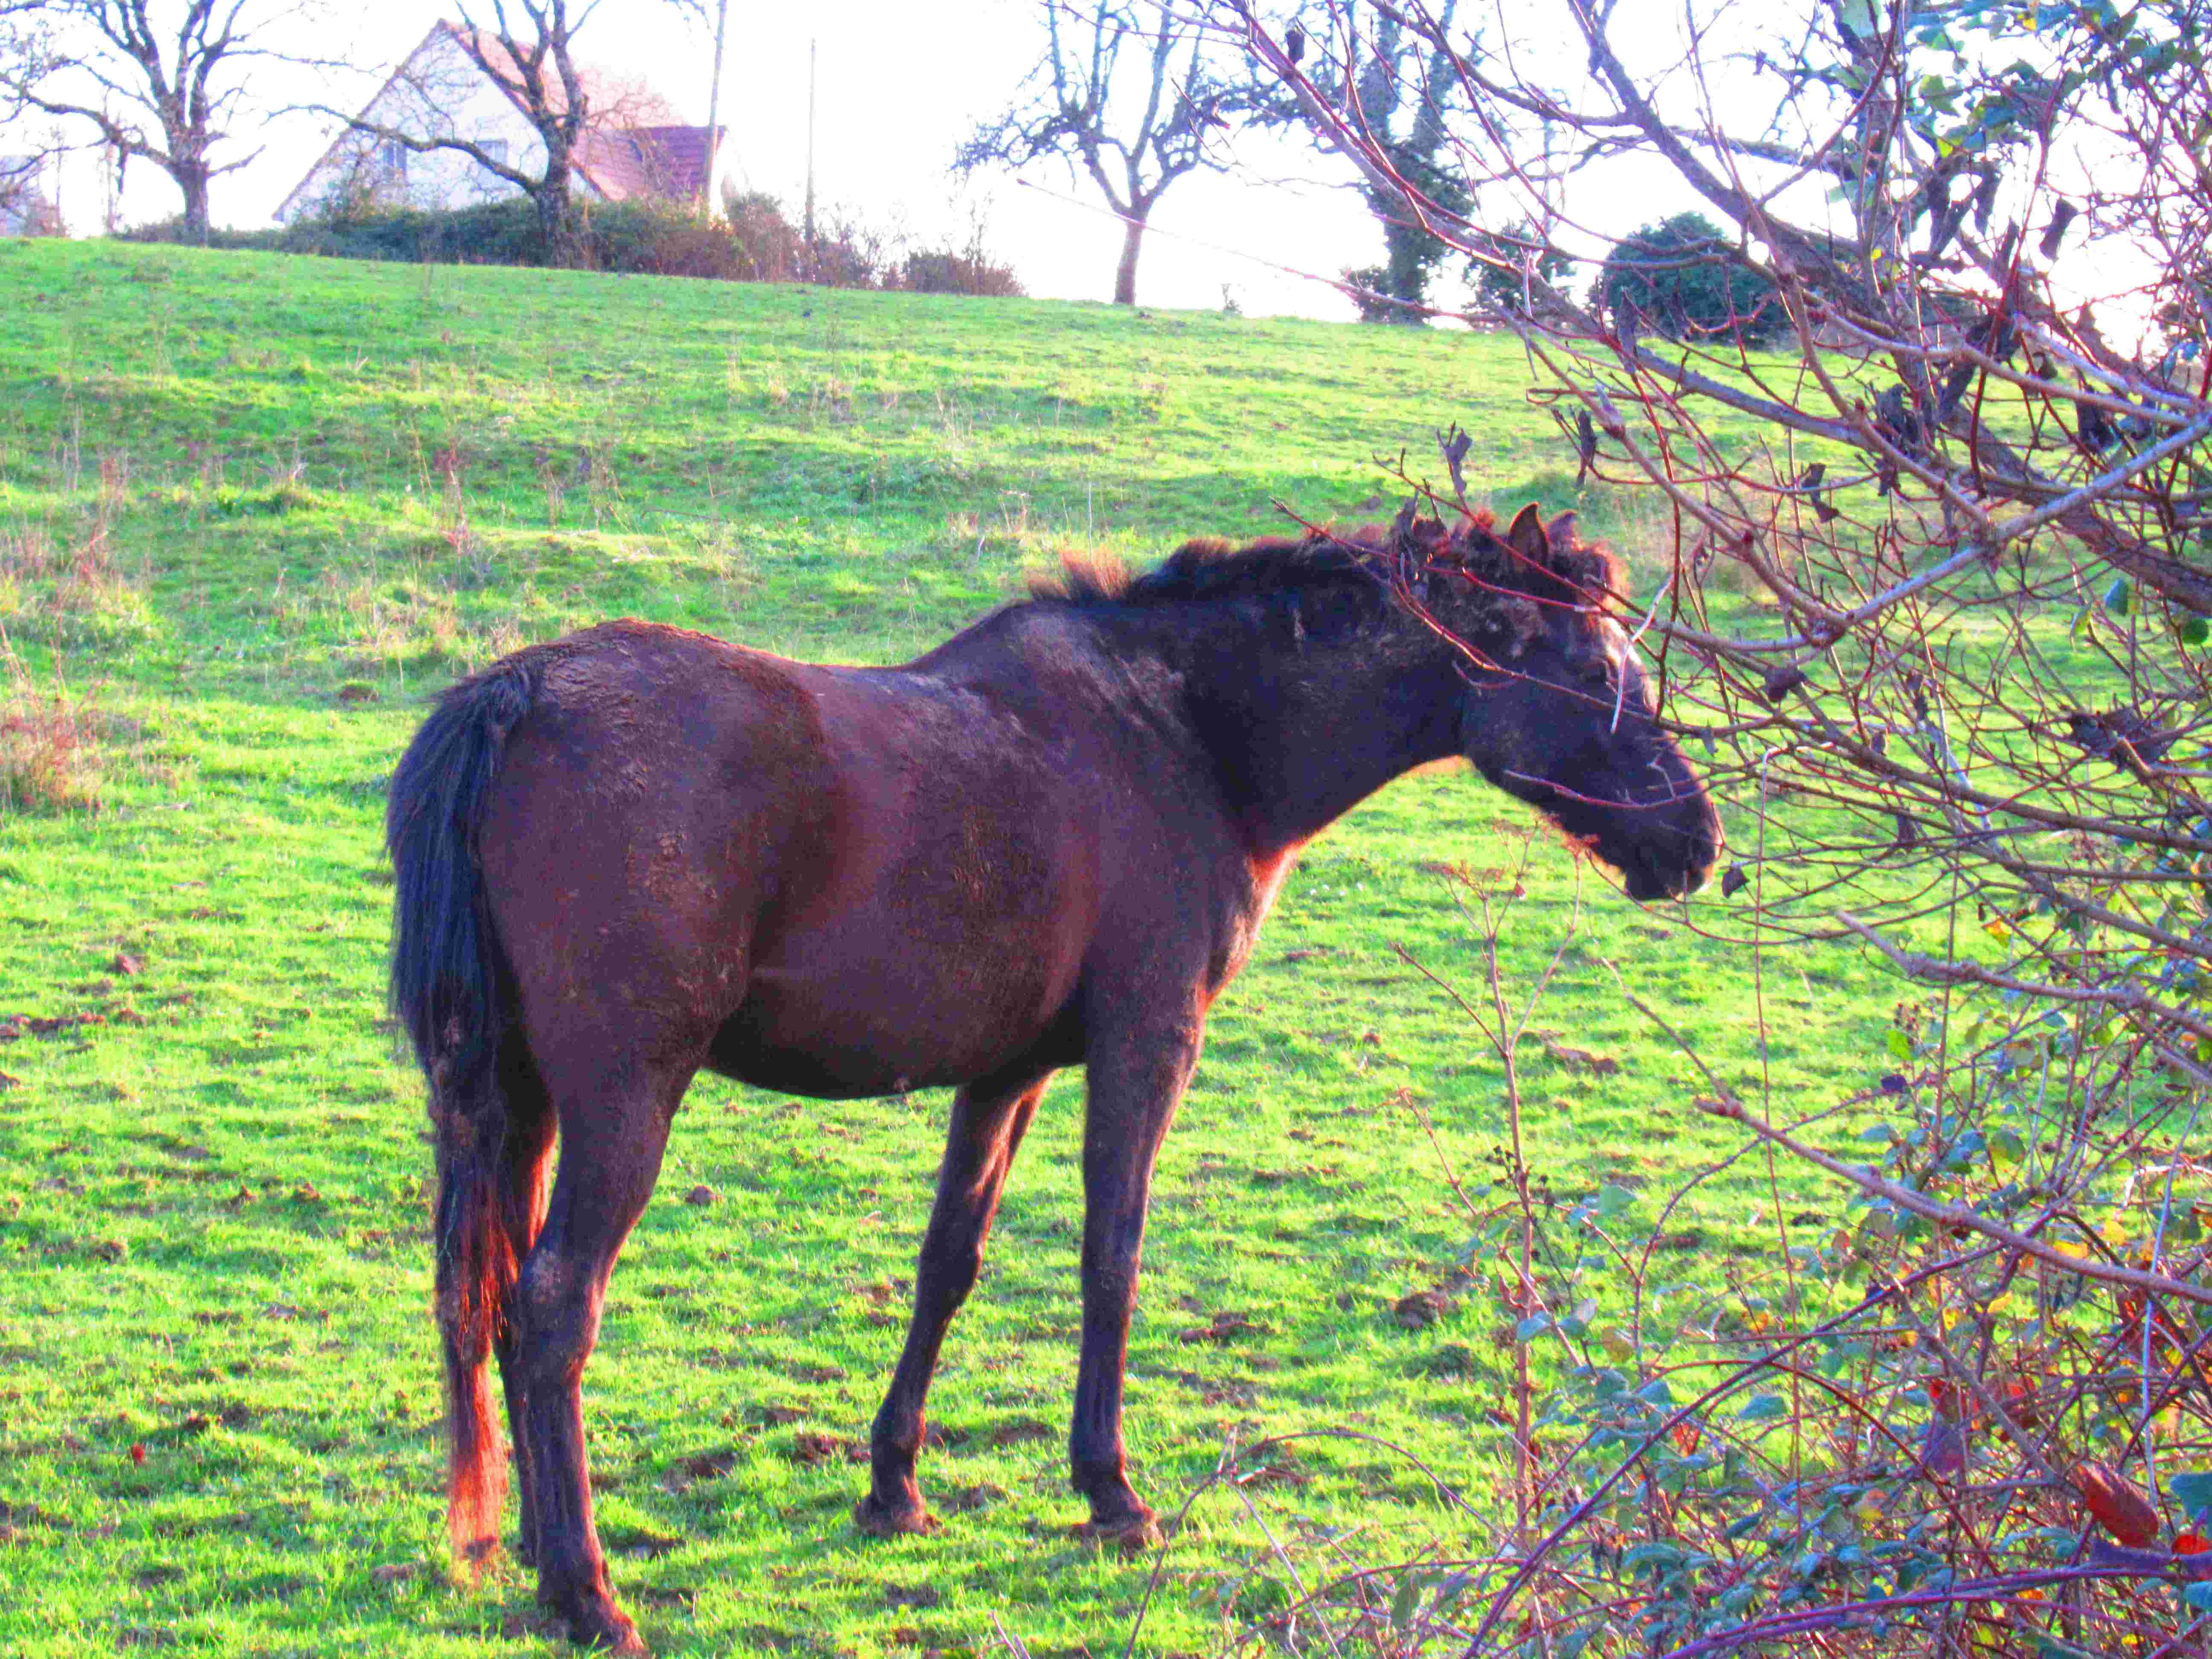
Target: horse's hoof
(1133, 1536)
(880, 1520)
(605, 1631)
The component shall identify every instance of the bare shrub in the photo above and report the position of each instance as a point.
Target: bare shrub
(50, 747)
(1933, 597)
(70, 596)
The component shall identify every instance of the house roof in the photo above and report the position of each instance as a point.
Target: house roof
(666, 162)
(618, 163)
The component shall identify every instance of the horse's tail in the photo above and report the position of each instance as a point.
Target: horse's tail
(453, 991)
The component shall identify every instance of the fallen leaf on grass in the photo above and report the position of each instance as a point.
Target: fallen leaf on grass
(126, 964)
(911, 1595)
(1019, 1431)
(395, 1572)
(701, 1196)
(1561, 1054)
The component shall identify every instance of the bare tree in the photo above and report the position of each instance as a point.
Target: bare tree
(525, 48)
(1133, 128)
(529, 56)
(162, 83)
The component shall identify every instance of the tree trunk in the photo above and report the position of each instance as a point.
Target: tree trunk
(556, 217)
(1133, 244)
(193, 181)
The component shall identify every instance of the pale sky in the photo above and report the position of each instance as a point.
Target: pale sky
(899, 86)
(900, 82)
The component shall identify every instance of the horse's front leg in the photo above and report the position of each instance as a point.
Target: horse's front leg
(1135, 1087)
(988, 1122)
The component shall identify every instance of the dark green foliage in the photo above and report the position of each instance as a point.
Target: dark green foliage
(944, 271)
(1496, 277)
(752, 241)
(1398, 288)
(1680, 278)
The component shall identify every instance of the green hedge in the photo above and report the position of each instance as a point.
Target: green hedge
(648, 237)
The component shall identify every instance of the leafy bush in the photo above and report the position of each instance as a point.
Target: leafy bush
(751, 240)
(768, 245)
(1496, 260)
(944, 270)
(1680, 276)
(503, 232)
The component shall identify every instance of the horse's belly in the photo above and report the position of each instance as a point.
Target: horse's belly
(884, 1028)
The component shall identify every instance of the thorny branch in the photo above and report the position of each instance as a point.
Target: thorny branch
(1921, 547)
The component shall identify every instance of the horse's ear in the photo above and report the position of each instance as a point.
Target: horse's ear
(1526, 537)
(1560, 532)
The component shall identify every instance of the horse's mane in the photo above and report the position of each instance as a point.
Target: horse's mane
(1570, 571)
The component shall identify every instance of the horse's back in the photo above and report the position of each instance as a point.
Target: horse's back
(854, 880)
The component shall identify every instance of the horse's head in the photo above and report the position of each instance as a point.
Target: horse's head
(1558, 711)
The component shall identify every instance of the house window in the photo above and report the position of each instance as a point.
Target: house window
(392, 157)
(496, 149)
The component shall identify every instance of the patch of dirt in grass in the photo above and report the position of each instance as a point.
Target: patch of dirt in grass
(966, 1500)
(810, 1448)
(639, 1544)
(1224, 1326)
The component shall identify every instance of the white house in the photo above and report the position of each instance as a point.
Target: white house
(634, 147)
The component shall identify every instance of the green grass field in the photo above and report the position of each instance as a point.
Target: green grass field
(252, 509)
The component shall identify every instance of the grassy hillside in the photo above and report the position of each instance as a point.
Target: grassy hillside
(253, 508)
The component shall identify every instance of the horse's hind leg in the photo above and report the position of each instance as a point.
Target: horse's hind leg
(522, 1212)
(614, 1118)
(988, 1122)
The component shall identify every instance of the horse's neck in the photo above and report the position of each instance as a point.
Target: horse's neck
(1300, 743)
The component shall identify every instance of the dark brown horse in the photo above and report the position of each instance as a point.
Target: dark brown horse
(636, 852)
